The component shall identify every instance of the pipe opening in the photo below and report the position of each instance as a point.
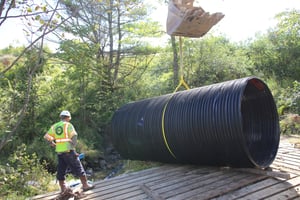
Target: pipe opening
(260, 123)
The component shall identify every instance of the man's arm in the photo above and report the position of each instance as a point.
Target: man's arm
(49, 139)
(74, 141)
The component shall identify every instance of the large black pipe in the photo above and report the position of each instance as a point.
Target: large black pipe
(234, 123)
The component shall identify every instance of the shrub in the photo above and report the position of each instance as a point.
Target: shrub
(288, 99)
(23, 175)
(290, 124)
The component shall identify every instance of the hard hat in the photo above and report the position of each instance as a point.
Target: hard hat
(65, 113)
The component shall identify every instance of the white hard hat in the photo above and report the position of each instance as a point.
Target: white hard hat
(65, 113)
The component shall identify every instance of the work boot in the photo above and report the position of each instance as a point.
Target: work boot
(62, 185)
(66, 195)
(85, 185)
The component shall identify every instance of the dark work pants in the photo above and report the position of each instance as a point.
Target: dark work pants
(69, 160)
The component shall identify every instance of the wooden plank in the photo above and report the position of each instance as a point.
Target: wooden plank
(264, 172)
(47, 196)
(141, 178)
(288, 153)
(133, 175)
(123, 188)
(288, 160)
(154, 195)
(287, 194)
(173, 182)
(287, 147)
(191, 185)
(179, 186)
(132, 185)
(286, 168)
(182, 187)
(289, 164)
(208, 185)
(248, 189)
(225, 188)
(122, 194)
(129, 195)
(285, 144)
(141, 196)
(274, 189)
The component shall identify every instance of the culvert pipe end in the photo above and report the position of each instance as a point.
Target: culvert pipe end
(234, 123)
(261, 129)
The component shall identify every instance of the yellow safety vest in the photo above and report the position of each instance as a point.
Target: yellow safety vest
(62, 133)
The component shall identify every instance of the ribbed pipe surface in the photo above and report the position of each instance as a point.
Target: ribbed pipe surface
(234, 123)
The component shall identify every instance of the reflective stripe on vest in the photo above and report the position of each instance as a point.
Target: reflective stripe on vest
(66, 130)
(62, 140)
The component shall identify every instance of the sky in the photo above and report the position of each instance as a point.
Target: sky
(243, 18)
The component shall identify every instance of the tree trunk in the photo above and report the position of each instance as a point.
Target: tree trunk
(175, 61)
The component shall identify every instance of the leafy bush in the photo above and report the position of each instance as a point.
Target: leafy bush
(289, 99)
(23, 176)
(45, 153)
(290, 124)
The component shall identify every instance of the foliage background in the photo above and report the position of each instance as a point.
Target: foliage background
(105, 58)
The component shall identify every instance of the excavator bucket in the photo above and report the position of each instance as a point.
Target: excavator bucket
(186, 20)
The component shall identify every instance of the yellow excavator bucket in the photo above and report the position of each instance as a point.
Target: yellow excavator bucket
(186, 20)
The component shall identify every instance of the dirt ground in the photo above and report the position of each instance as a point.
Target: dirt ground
(293, 139)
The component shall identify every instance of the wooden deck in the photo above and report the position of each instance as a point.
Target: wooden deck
(183, 182)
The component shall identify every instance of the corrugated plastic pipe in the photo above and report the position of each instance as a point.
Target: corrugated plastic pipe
(234, 123)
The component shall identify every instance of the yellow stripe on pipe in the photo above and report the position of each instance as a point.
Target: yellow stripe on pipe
(163, 128)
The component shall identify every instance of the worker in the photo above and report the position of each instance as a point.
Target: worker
(63, 136)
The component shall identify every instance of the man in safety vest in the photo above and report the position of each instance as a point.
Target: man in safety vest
(63, 136)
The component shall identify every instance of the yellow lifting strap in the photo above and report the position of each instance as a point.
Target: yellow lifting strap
(181, 83)
(186, 20)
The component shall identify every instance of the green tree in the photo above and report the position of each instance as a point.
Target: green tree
(108, 55)
(206, 61)
(278, 53)
(23, 175)
(40, 22)
(17, 85)
(285, 37)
